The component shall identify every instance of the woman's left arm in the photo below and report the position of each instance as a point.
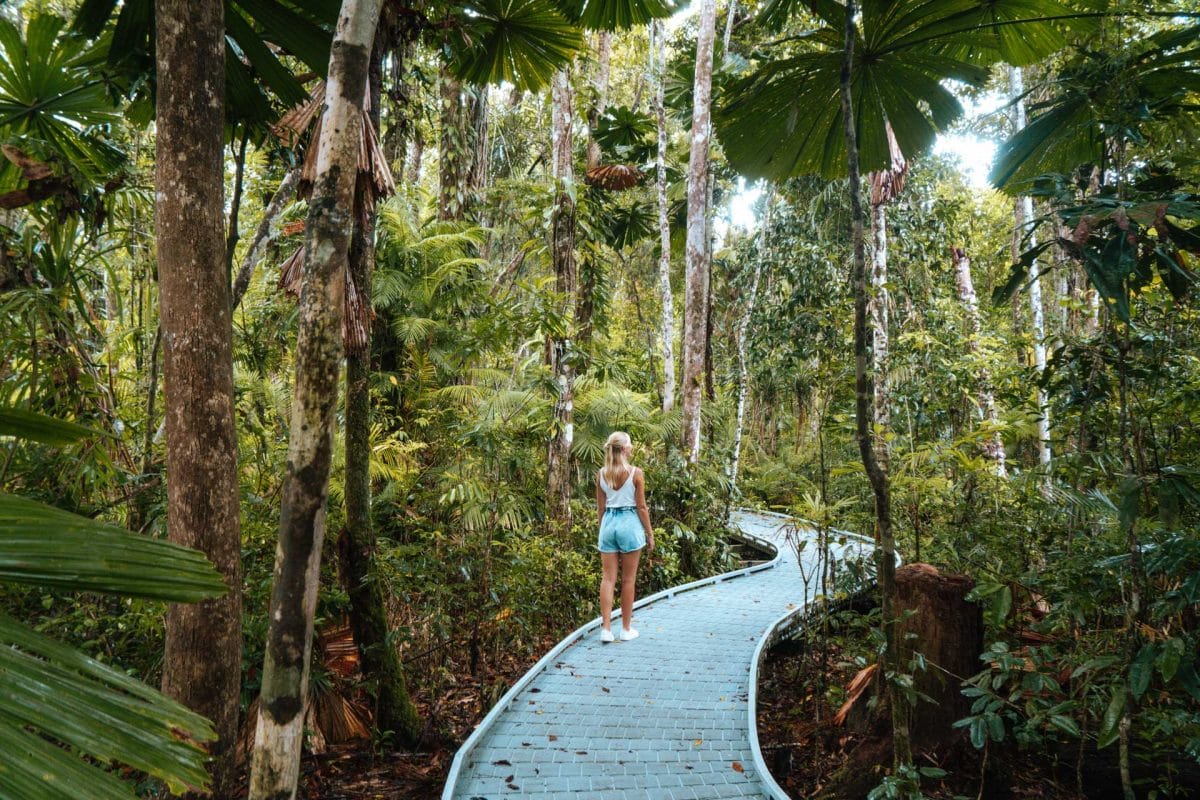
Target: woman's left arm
(639, 497)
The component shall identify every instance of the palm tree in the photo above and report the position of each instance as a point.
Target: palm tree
(279, 734)
(60, 703)
(53, 110)
(784, 119)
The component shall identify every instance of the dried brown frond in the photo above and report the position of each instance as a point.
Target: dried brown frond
(614, 177)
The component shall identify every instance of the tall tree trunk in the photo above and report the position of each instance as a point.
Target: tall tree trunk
(562, 252)
(280, 731)
(1023, 216)
(380, 663)
(993, 447)
(864, 395)
(743, 333)
(658, 54)
(589, 271)
(600, 94)
(696, 295)
(453, 149)
(264, 233)
(886, 186)
(730, 15)
(203, 654)
(878, 310)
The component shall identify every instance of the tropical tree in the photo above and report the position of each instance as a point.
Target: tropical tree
(202, 664)
(279, 734)
(695, 307)
(887, 69)
(658, 58)
(55, 116)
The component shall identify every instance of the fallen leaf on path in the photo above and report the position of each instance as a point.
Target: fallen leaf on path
(737, 767)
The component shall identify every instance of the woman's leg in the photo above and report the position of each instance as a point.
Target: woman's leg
(608, 563)
(629, 566)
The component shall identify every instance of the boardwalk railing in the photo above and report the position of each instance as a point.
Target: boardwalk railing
(772, 633)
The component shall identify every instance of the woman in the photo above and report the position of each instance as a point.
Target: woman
(624, 531)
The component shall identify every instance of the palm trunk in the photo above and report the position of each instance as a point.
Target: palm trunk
(264, 234)
(1024, 216)
(730, 14)
(696, 295)
(203, 654)
(864, 396)
(562, 252)
(280, 731)
(878, 310)
(453, 169)
(589, 272)
(600, 88)
(380, 664)
(742, 334)
(993, 447)
(658, 56)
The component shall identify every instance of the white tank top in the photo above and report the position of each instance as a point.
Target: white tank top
(618, 498)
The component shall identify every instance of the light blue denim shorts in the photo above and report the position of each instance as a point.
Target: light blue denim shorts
(621, 531)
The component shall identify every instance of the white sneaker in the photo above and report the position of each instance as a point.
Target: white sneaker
(606, 636)
(628, 634)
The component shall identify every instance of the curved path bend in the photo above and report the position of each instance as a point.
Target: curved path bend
(667, 716)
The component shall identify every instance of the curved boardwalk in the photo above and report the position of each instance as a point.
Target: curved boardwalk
(668, 715)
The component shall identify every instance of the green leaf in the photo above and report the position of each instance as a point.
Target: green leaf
(611, 15)
(278, 78)
(523, 42)
(295, 32)
(1066, 725)
(61, 693)
(1110, 724)
(40, 428)
(1000, 604)
(785, 119)
(978, 734)
(47, 546)
(1019, 273)
(1141, 669)
(1170, 657)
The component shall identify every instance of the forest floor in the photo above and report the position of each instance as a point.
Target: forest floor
(363, 769)
(804, 751)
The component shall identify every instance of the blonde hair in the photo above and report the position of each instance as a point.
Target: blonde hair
(615, 451)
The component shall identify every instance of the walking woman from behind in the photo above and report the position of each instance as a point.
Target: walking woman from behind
(624, 531)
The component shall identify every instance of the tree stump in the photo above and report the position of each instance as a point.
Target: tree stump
(937, 621)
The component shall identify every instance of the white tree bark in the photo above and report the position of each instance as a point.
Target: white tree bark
(993, 447)
(742, 334)
(658, 56)
(562, 250)
(280, 730)
(730, 14)
(696, 295)
(1024, 217)
(878, 311)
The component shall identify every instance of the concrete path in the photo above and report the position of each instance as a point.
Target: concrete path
(669, 715)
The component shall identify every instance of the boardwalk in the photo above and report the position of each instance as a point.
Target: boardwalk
(668, 715)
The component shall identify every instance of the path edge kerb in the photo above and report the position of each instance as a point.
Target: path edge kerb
(765, 642)
(502, 704)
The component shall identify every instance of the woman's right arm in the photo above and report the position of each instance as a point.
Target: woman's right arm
(601, 500)
(643, 512)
